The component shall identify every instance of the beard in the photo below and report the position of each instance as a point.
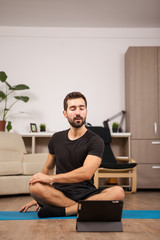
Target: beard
(77, 122)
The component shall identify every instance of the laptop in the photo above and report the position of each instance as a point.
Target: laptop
(99, 216)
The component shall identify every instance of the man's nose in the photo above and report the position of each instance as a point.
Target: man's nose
(77, 112)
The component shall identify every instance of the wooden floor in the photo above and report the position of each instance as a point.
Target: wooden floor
(134, 229)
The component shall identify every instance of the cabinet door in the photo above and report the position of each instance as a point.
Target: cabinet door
(148, 176)
(142, 91)
(146, 151)
(158, 92)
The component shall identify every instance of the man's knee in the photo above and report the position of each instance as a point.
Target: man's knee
(119, 193)
(115, 193)
(35, 189)
(43, 190)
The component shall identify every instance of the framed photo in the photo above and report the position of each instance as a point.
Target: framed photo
(33, 127)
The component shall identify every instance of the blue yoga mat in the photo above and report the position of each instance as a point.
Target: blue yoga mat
(132, 214)
(26, 216)
(141, 214)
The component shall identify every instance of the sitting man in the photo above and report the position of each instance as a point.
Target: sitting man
(77, 154)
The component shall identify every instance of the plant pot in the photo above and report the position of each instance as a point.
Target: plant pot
(2, 126)
(42, 127)
(115, 129)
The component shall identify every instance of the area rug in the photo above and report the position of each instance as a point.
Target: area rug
(132, 214)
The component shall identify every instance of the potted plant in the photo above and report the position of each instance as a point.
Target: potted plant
(5, 107)
(42, 127)
(115, 126)
(9, 126)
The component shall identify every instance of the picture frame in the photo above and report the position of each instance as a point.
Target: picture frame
(33, 127)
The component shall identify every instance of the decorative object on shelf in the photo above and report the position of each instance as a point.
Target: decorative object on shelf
(33, 127)
(4, 96)
(2, 125)
(9, 126)
(42, 127)
(115, 126)
(105, 123)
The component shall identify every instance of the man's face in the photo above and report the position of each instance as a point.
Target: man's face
(76, 112)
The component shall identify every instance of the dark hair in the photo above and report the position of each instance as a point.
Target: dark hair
(73, 95)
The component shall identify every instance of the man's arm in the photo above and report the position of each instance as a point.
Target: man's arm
(50, 164)
(81, 174)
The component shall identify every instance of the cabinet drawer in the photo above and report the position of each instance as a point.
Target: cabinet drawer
(145, 151)
(148, 176)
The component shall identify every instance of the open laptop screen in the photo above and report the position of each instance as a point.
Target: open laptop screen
(100, 211)
(99, 216)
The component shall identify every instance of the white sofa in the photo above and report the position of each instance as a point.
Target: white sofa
(16, 166)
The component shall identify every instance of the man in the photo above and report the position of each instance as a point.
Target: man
(77, 154)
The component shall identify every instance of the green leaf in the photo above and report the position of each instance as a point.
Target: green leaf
(2, 95)
(22, 98)
(19, 87)
(8, 85)
(3, 76)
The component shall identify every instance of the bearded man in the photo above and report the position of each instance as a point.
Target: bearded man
(77, 153)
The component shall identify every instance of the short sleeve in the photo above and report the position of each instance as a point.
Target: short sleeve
(51, 145)
(96, 146)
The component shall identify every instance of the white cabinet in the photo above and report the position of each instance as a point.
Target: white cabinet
(38, 142)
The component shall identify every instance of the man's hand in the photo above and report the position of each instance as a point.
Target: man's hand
(29, 205)
(40, 177)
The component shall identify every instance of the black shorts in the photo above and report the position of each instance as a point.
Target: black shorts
(77, 191)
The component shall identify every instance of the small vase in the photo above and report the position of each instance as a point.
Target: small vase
(42, 130)
(2, 126)
(115, 129)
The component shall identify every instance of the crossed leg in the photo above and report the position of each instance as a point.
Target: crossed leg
(47, 195)
(112, 193)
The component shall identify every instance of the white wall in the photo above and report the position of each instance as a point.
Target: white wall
(55, 61)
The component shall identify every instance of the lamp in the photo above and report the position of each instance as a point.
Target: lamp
(105, 123)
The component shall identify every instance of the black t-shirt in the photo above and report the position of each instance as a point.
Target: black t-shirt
(71, 155)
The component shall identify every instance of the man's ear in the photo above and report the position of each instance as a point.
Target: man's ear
(65, 113)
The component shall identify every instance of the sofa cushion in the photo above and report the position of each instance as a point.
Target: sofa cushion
(12, 142)
(10, 156)
(10, 168)
(10, 162)
(34, 163)
(14, 184)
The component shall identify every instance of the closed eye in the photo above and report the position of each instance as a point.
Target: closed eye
(72, 108)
